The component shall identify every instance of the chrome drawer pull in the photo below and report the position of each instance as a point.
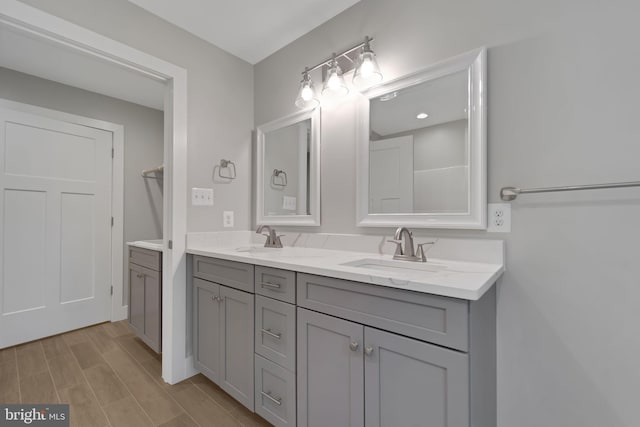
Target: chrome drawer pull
(353, 346)
(277, 401)
(271, 334)
(368, 350)
(270, 285)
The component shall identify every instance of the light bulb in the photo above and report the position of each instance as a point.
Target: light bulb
(334, 81)
(307, 93)
(366, 69)
(335, 85)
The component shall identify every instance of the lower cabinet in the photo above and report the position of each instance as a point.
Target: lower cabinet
(145, 304)
(223, 338)
(275, 393)
(352, 375)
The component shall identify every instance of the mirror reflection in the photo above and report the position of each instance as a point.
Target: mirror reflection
(285, 175)
(419, 148)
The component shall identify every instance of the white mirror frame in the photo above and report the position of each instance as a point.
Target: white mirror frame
(313, 219)
(476, 216)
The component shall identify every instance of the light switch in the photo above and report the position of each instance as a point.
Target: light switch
(202, 196)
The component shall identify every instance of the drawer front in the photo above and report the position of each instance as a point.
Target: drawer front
(275, 393)
(145, 258)
(440, 320)
(276, 283)
(230, 273)
(275, 332)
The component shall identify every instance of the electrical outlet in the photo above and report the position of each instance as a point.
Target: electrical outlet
(227, 219)
(202, 196)
(499, 218)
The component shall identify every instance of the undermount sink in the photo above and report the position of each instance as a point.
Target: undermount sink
(258, 249)
(396, 266)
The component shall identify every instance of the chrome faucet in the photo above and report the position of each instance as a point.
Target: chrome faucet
(273, 240)
(408, 253)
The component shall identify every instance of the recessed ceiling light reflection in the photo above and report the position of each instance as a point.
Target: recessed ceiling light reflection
(422, 116)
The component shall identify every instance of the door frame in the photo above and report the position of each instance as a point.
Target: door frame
(118, 310)
(176, 366)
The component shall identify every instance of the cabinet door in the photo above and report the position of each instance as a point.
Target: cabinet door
(136, 298)
(236, 345)
(330, 371)
(409, 383)
(206, 328)
(153, 310)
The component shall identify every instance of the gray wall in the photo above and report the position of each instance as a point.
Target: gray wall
(143, 144)
(220, 98)
(562, 106)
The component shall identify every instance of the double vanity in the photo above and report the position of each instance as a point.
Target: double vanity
(322, 330)
(308, 335)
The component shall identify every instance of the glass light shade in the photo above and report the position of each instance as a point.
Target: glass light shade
(307, 97)
(335, 84)
(367, 72)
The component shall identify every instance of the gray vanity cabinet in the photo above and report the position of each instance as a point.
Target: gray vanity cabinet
(206, 326)
(145, 296)
(223, 327)
(412, 383)
(236, 345)
(330, 371)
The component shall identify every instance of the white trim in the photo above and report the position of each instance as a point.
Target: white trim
(313, 219)
(118, 309)
(476, 217)
(175, 364)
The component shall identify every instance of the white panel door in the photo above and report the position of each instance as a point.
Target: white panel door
(391, 175)
(55, 226)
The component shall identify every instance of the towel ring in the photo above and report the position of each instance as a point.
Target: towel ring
(225, 164)
(279, 173)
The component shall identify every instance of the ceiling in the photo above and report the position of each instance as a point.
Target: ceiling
(248, 29)
(444, 100)
(32, 55)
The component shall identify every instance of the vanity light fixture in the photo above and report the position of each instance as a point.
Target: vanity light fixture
(359, 57)
(422, 116)
(307, 96)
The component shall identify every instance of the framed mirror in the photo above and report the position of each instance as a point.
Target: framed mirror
(422, 148)
(288, 170)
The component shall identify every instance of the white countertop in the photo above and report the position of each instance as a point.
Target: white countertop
(154, 245)
(450, 277)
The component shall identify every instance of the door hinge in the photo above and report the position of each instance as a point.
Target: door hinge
(112, 221)
(111, 290)
(170, 244)
(113, 153)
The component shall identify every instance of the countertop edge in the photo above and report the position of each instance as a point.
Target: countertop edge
(421, 287)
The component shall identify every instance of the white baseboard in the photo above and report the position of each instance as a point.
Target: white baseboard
(120, 313)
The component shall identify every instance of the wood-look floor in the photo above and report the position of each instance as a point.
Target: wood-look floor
(111, 378)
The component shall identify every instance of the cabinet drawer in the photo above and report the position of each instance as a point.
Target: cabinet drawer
(276, 283)
(436, 319)
(276, 331)
(275, 393)
(233, 274)
(146, 258)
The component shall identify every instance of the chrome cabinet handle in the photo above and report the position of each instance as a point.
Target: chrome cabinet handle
(368, 350)
(215, 298)
(270, 285)
(277, 401)
(353, 346)
(271, 334)
(139, 276)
